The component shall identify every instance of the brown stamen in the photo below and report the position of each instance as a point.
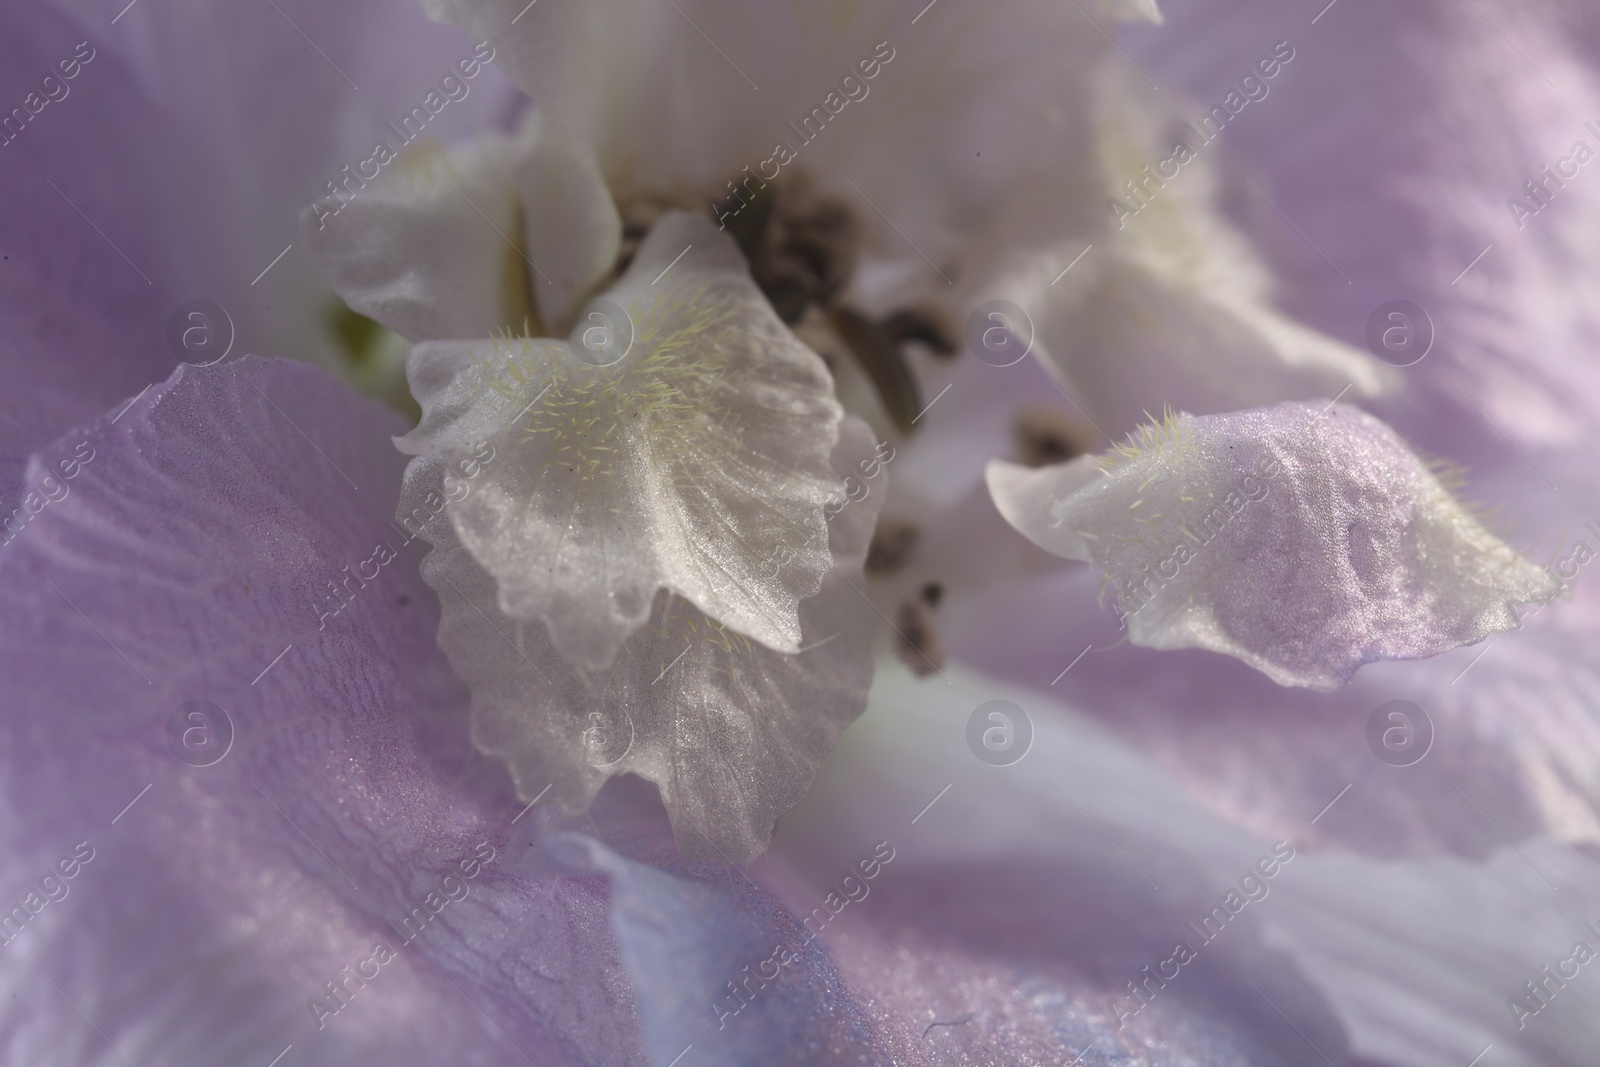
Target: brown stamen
(1047, 435)
(892, 543)
(918, 644)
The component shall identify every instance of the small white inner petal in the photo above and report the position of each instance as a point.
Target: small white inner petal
(685, 464)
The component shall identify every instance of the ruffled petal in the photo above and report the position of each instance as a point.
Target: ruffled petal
(1303, 542)
(730, 730)
(679, 452)
(1513, 715)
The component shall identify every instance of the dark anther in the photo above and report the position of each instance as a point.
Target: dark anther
(638, 215)
(1046, 435)
(891, 545)
(918, 646)
(748, 225)
(923, 326)
(801, 244)
(884, 363)
(789, 297)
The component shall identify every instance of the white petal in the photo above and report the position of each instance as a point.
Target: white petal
(571, 228)
(682, 466)
(694, 97)
(1170, 305)
(731, 731)
(499, 233)
(1304, 541)
(423, 249)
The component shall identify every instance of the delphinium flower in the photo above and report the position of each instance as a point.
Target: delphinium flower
(719, 331)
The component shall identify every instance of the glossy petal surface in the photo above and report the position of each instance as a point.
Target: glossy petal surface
(730, 730)
(683, 465)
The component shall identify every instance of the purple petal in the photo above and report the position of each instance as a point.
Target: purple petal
(698, 942)
(185, 563)
(180, 157)
(1304, 542)
(85, 289)
(1007, 913)
(1025, 902)
(1512, 718)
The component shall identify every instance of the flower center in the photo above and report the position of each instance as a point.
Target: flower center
(803, 245)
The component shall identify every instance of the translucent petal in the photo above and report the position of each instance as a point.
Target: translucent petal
(1304, 541)
(730, 730)
(501, 232)
(683, 465)
(1426, 959)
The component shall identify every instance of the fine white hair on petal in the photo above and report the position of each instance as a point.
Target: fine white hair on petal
(1303, 540)
(731, 731)
(674, 456)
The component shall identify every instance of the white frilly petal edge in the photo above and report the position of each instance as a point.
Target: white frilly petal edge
(680, 454)
(1302, 541)
(730, 730)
